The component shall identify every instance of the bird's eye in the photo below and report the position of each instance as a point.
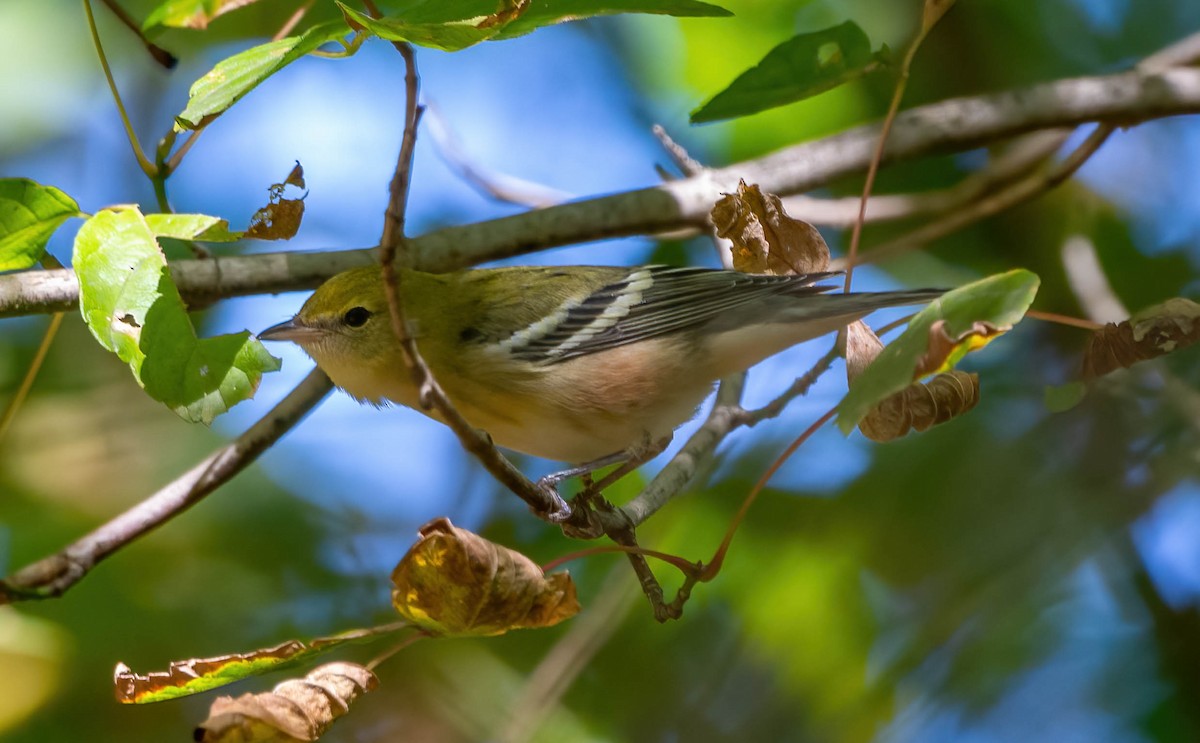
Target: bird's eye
(356, 317)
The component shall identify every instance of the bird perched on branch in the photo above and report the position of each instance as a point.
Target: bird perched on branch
(573, 363)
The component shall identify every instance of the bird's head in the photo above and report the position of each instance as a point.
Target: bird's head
(344, 326)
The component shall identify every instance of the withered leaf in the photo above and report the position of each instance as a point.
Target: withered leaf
(455, 582)
(765, 239)
(919, 406)
(507, 11)
(280, 218)
(922, 406)
(295, 710)
(862, 346)
(1153, 332)
(184, 677)
(944, 350)
(294, 178)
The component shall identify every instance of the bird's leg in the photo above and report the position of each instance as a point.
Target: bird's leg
(629, 459)
(633, 458)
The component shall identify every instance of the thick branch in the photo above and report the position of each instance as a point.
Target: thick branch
(946, 126)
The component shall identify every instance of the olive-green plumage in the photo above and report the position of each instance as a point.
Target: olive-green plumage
(569, 363)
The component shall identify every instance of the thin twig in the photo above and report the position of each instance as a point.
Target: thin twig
(679, 154)
(53, 575)
(994, 203)
(160, 55)
(929, 18)
(18, 398)
(143, 161)
(543, 501)
(498, 186)
(724, 418)
(1025, 154)
(292, 20)
(1074, 322)
(714, 566)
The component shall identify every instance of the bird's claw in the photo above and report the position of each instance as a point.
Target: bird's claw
(561, 510)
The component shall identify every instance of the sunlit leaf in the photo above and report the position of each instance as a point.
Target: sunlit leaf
(765, 239)
(133, 308)
(29, 215)
(938, 336)
(295, 710)
(548, 12)
(190, 13)
(236, 76)
(456, 24)
(200, 227)
(799, 68)
(440, 26)
(455, 582)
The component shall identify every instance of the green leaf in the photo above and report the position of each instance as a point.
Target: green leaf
(190, 13)
(132, 307)
(799, 68)
(200, 227)
(997, 302)
(29, 215)
(549, 12)
(452, 25)
(233, 78)
(440, 25)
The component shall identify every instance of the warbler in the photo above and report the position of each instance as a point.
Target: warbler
(570, 363)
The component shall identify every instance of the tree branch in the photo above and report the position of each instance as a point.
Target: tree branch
(947, 126)
(53, 575)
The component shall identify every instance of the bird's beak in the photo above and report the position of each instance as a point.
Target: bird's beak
(290, 330)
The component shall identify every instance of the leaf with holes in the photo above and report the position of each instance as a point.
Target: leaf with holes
(29, 215)
(132, 307)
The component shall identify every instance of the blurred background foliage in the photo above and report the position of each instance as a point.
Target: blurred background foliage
(1015, 575)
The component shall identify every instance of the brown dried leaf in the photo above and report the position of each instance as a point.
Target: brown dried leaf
(765, 239)
(280, 218)
(198, 674)
(296, 710)
(455, 582)
(919, 406)
(862, 346)
(922, 406)
(1151, 333)
(508, 10)
(296, 177)
(277, 221)
(945, 350)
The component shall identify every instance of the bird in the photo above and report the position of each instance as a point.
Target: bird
(578, 364)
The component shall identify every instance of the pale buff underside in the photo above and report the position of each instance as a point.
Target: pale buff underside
(592, 406)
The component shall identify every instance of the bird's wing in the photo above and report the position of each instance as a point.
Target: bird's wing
(648, 302)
